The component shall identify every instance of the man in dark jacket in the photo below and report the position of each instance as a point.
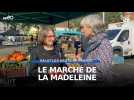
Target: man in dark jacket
(77, 45)
(45, 50)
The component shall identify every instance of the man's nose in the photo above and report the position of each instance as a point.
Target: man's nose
(82, 30)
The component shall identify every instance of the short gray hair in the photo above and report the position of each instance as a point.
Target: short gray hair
(43, 33)
(95, 22)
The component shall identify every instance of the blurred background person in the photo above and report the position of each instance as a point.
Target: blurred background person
(70, 43)
(77, 45)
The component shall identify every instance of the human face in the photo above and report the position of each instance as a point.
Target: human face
(132, 16)
(86, 31)
(49, 39)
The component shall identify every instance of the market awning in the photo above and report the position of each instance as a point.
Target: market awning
(40, 17)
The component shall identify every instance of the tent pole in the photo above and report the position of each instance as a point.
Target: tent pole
(68, 23)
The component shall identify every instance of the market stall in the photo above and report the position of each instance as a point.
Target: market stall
(13, 65)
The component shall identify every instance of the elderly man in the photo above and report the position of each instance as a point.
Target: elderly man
(46, 50)
(97, 46)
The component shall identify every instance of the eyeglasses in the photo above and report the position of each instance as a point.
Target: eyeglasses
(81, 27)
(50, 36)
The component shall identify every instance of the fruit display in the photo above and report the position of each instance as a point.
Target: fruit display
(64, 46)
(3, 58)
(13, 65)
(16, 56)
(72, 57)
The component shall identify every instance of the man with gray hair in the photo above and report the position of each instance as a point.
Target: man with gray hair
(97, 46)
(46, 50)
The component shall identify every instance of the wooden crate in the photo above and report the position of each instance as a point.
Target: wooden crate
(13, 71)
